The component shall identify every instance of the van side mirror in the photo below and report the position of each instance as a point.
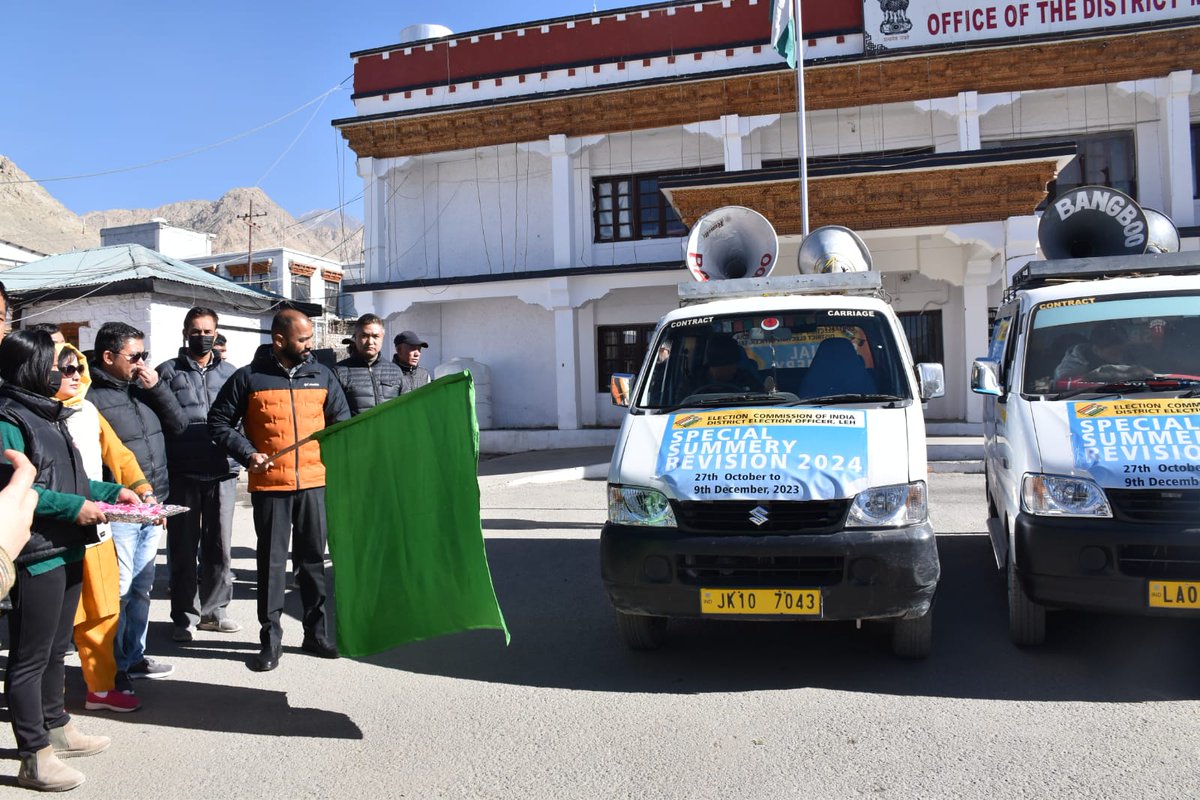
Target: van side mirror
(985, 377)
(619, 386)
(931, 381)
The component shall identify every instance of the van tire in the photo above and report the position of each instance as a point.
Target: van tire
(641, 632)
(1026, 619)
(913, 638)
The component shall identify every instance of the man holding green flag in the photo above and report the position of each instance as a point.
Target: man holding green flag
(404, 521)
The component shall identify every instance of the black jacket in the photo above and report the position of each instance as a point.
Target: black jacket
(43, 424)
(193, 452)
(410, 377)
(140, 417)
(368, 385)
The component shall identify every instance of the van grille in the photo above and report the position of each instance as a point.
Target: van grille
(755, 571)
(1156, 505)
(783, 516)
(1164, 562)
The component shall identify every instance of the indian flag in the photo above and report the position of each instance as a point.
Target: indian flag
(783, 30)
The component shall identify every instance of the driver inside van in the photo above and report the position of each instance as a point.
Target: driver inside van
(725, 368)
(1105, 356)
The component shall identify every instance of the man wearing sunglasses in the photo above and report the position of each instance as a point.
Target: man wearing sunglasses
(141, 409)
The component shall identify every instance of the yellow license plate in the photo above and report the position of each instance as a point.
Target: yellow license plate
(1175, 594)
(801, 602)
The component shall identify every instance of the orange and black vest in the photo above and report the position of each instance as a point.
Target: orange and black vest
(275, 410)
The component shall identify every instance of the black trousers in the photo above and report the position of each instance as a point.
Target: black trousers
(40, 625)
(300, 516)
(205, 530)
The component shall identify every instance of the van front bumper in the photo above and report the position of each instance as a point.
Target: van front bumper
(861, 574)
(1104, 564)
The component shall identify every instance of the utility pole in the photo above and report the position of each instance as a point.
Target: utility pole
(251, 225)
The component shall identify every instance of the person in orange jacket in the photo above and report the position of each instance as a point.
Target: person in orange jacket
(99, 609)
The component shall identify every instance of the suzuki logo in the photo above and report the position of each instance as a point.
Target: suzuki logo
(758, 515)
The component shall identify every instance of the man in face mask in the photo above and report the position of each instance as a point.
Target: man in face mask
(203, 478)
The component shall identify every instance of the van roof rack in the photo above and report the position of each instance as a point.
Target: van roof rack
(856, 283)
(1064, 270)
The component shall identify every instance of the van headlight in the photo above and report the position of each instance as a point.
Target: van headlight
(889, 506)
(634, 505)
(1061, 496)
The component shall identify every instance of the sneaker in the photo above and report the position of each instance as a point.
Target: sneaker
(123, 684)
(181, 634)
(222, 625)
(149, 668)
(112, 701)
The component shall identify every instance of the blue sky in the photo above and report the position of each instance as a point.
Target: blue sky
(91, 87)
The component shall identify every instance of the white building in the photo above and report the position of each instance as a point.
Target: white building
(161, 236)
(12, 254)
(528, 188)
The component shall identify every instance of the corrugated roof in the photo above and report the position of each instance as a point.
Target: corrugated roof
(106, 266)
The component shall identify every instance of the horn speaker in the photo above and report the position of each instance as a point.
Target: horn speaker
(1094, 221)
(731, 242)
(833, 248)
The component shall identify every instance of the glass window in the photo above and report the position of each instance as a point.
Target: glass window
(1143, 343)
(302, 288)
(1102, 159)
(631, 207)
(332, 294)
(620, 349)
(784, 357)
(924, 332)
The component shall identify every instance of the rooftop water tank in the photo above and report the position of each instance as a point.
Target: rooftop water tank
(416, 33)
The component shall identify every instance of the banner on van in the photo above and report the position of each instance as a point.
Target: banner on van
(1138, 444)
(765, 454)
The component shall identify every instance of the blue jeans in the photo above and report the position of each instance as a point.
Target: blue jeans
(137, 547)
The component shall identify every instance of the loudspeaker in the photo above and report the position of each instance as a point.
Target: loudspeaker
(1093, 221)
(832, 248)
(731, 242)
(1162, 235)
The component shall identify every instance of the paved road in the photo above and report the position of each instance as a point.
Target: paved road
(728, 710)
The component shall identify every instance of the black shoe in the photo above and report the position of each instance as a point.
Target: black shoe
(319, 648)
(265, 661)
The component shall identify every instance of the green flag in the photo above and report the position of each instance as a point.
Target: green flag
(402, 505)
(783, 30)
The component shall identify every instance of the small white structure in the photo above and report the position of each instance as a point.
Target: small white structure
(160, 236)
(12, 254)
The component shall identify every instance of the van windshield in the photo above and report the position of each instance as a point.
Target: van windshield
(1097, 345)
(822, 356)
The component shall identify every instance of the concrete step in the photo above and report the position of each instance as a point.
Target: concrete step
(953, 428)
(954, 448)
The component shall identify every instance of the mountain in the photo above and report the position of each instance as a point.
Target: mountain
(32, 218)
(275, 228)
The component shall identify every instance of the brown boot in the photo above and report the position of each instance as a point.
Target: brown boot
(44, 772)
(68, 742)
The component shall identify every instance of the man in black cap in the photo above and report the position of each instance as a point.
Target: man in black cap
(407, 358)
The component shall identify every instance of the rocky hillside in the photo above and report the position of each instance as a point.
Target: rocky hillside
(32, 218)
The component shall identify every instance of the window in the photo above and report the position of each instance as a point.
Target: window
(1103, 159)
(331, 297)
(923, 329)
(302, 288)
(620, 348)
(1195, 160)
(631, 207)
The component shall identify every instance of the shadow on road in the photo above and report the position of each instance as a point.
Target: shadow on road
(232, 709)
(564, 636)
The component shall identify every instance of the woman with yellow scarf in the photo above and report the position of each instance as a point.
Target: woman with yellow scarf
(100, 605)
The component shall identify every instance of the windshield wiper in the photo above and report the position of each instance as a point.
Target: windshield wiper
(838, 399)
(742, 397)
(1117, 388)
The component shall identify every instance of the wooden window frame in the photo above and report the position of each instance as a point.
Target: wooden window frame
(629, 354)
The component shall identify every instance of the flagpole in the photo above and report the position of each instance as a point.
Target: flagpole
(802, 154)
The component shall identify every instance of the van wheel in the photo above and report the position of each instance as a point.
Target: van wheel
(641, 632)
(912, 638)
(1026, 619)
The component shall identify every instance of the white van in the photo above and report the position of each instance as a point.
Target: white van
(772, 464)
(1092, 437)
